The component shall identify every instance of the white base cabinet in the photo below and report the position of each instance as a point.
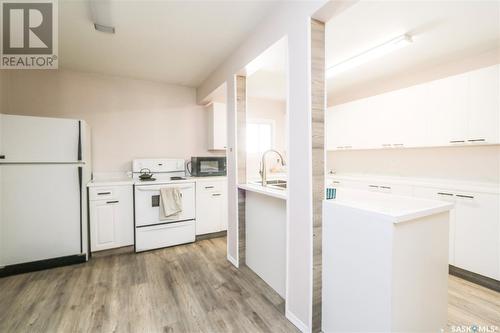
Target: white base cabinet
(474, 229)
(111, 217)
(474, 237)
(211, 205)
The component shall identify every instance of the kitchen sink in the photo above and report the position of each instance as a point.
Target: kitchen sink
(278, 184)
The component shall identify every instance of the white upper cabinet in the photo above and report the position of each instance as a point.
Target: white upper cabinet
(484, 105)
(458, 110)
(447, 110)
(217, 126)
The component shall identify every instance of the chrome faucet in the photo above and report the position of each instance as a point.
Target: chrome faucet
(263, 170)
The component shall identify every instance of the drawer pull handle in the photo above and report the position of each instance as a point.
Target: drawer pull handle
(385, 187)
(216, 194)
(457, 141)
(465, 196)
(347, 147)
(112, 202)
(336, 182)
(386, 145)
(373, 186)
(103, 193)
(207, 187)
(476, 140)
(447, 194)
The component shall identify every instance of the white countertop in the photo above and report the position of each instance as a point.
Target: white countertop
(113, 179)
(394, 208)
(457, 185)
(266, 190)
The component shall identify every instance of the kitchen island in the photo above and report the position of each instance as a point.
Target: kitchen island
(265, 236)
(385, 263)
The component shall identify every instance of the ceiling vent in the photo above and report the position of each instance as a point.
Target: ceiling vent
(100, 11)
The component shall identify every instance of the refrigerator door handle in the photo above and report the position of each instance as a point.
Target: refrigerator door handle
(80, 172)
(79, 157)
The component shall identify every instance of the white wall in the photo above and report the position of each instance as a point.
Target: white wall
(411, 78)
(129, 118)
(475, 163)
(291, 20)
(479, 163)
(272, 110)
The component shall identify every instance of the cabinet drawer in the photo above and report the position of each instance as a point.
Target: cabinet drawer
(211, 186)
(158, 236)
(340, 183)
(396, 189)
(110, 193)
(101, 193)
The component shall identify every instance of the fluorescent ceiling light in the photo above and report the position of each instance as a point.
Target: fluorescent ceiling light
(373, 53)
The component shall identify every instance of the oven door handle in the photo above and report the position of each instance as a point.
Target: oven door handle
(157, 188)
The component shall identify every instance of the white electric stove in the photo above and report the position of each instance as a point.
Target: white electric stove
(152, 229)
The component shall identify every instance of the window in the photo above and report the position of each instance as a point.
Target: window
(259, 136)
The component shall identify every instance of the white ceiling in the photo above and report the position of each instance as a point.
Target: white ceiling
(266, 76)
(443, 32)
(267, 85)
(179, 42)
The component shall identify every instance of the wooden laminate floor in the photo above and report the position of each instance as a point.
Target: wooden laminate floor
(189, 288)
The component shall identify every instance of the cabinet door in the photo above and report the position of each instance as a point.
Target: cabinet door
(332, 128)
(339, 127)
(210, 203)
(104, 217)
(367, 122)
(448, 110)
(392, 119)
(443, 195)
(414, 116)
(331, 137)
(484, 109)
(477, 233)
(217, 126)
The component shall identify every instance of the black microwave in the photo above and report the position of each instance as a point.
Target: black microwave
(208, 166)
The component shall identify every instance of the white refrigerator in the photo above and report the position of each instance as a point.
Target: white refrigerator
(44, 169)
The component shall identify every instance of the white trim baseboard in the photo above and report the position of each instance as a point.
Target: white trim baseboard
(232, 260)
(297, 322)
